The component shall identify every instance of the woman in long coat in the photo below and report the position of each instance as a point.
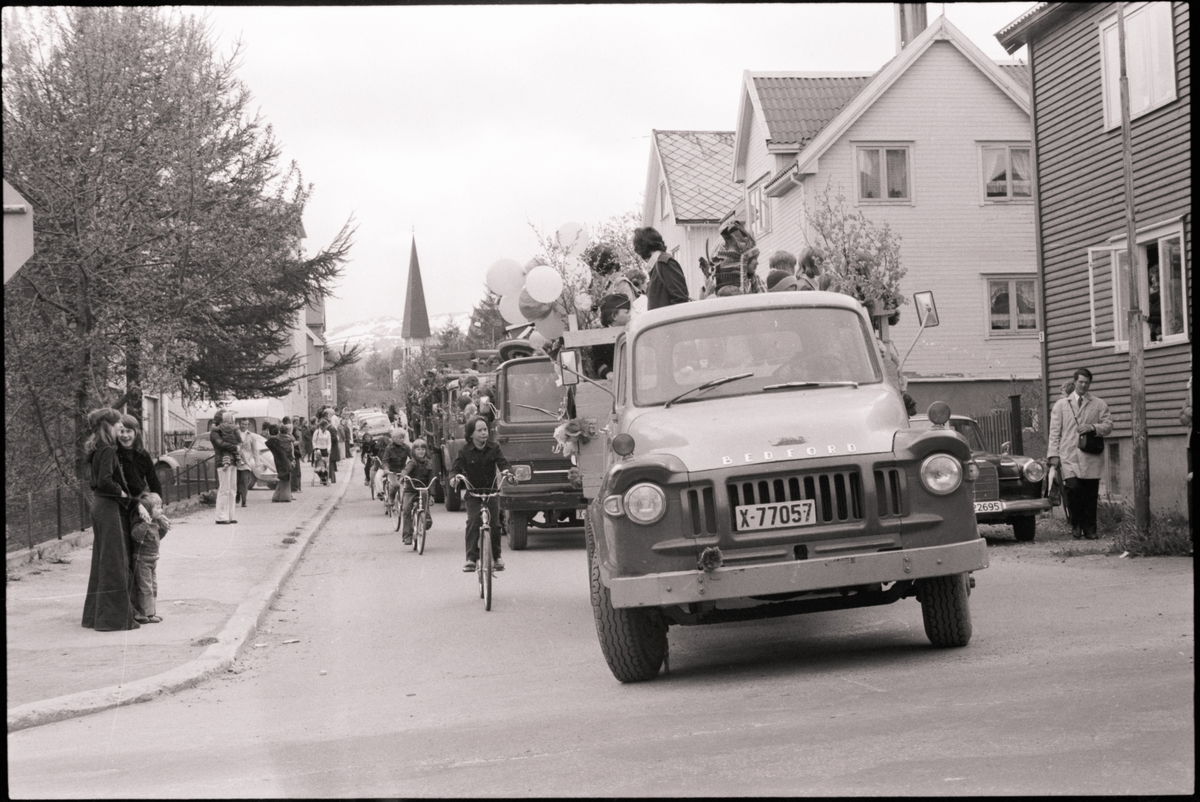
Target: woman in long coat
(281, 450)
(108, 604)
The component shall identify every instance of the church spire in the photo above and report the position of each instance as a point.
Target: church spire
(416, 318)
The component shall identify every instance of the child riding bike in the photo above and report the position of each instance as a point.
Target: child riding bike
(477, 462)
(394, 458)
(420, 469)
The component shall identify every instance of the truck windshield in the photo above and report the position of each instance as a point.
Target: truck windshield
(775, 345)
(528, 390)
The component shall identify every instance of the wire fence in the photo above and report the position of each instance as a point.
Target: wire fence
(38, 517)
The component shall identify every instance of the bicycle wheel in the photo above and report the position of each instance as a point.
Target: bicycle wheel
(485, 566)
(419, 529)
(398, 509)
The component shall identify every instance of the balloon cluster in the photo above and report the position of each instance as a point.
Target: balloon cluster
(530, 293)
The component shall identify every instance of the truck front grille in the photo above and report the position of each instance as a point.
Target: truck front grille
(838, 494)
(889, 492)
(700, 510)
(550, 472)
(987, 486)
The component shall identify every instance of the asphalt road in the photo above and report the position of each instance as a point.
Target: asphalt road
(1079, 680)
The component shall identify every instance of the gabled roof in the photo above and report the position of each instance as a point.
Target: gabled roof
(1036, 21)
(796, 106)
(416, 318)
(696, 166)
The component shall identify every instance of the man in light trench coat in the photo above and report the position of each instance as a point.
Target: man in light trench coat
(1072, 416)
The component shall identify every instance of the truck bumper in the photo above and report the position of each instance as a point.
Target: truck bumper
(681, 587)
(537, 499)
(1020, 506)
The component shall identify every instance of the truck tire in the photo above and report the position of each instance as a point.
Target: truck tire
(454, 498)
(945, 609)
(634, 641)
(518, 530)
(437, 492)
(1024, 528)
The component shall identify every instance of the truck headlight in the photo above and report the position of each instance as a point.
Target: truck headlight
(1034, 472)
(645, 503)
(523, 472)
(941, 474)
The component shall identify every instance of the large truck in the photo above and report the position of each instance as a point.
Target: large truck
(749, 458)
(548, 490)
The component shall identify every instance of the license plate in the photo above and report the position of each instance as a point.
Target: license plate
(775, 516)
(989, 506)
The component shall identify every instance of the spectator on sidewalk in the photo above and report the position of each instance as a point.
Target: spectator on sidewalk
(1079, 413)
(225, 439)
(296, 455)
(108, 603)
(335, 451)
(151, 527)
(281, 449)
(247, 462)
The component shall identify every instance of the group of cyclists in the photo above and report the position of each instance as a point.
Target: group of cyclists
(398, 470)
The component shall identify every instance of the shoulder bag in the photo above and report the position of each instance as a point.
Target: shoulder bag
(1089, 442)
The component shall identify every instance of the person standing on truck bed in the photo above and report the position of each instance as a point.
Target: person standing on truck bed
(478, 460)
(667, 285)
(614, 313)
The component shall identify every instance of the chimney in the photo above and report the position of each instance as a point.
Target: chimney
(910, 21)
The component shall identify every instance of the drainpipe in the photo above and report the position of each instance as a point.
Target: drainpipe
(1039, 255)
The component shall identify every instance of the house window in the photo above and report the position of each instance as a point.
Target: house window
(759, 211)
(1149, 61)
(1161, 285)
(662, 201)
(1012, 305)
(883, 174)
(1007, 172)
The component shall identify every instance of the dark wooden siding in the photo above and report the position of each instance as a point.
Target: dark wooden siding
(1081, 189)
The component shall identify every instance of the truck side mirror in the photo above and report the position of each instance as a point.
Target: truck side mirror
(927, 314)
(568, 360)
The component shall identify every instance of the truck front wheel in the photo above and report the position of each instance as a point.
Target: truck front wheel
(634, 641)
(518, 530)
(946, 610)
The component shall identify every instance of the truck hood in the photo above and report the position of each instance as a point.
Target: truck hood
(771, 427)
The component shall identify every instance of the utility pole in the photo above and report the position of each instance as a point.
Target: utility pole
(1137, 357)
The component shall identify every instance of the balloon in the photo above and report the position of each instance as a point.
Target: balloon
(510, 309)
(532, 263)
(583, 302)
(572, 237)
(536, 339)
(544, 284)
(506, 277)
(551, 327)
(531, 309)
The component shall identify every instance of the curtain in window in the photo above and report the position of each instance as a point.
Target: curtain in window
(995, 172)
(868, 174)
(1021, 178)
(1026, 304)
(1001, 319)
(897, 173)
(1174, 302)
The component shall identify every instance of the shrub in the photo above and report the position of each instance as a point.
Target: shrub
(1169, 534)
(208, 498)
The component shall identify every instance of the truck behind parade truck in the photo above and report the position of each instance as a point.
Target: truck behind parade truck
(748, 458)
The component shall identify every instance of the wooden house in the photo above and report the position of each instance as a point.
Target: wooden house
(688, 191)
(1081, 228)
(936, 145)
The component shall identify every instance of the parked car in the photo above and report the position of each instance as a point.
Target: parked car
(377, 422)
(1011, 489)
(171, 466)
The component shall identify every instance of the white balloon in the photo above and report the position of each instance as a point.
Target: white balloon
(583, 302)
(551, 327)
(506, 277)
(573, 237)
(509, 309)
(544, 284)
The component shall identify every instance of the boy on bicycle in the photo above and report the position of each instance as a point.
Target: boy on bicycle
(394, 458)
(420, 468)
(477, 462)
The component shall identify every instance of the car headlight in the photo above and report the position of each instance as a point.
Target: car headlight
(1034, 471)
(645, 503)
(941, 474)
(523, 472)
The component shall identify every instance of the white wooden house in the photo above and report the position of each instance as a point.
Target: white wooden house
(936, 144)
(688, 191)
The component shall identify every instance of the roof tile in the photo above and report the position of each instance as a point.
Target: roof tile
(699, 169)
(797, 107)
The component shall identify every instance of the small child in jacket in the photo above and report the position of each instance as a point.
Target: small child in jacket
(420, 468)
(147, 532)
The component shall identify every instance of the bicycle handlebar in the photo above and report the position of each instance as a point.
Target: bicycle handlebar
(494, 490)
(415, 483)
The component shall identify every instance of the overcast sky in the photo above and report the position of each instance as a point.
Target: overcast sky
(467, 123)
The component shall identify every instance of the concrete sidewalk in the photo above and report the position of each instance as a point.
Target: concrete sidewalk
(214, 585)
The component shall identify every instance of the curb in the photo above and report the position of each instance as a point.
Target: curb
(216, 658)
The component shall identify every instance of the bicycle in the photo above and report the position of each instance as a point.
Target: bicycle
(484, 568)
(388, 507)
(372, 464)
(419, 511)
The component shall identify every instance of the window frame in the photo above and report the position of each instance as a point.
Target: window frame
(758, 209)
(1112, 116)
(983, 181)
(883, 147)
(1155, 234)
(1013, 333)
(662, 200)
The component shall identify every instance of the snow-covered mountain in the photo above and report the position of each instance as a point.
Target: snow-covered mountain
(383, 333)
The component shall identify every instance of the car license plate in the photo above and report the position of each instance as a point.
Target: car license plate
(776, 516)
(989, 506)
